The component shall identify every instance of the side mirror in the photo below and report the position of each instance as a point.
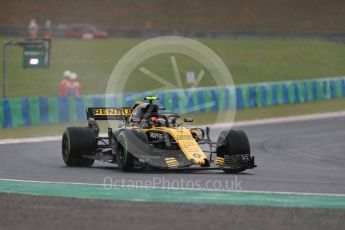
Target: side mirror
(198, 132)
(188, 120)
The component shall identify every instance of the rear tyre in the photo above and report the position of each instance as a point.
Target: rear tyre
(233, 144)
(123, 157)
(131, 145)
(76, 143)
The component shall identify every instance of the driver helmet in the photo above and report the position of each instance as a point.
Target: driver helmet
(159, 122)
(144, 111)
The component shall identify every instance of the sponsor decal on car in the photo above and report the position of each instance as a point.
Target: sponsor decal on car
(196, 155)
(110, 111)
(155, 135)
(184, 137)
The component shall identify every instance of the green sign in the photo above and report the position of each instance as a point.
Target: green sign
(35, 56)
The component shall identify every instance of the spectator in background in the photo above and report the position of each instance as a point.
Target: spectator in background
(73, 86)
(47, 34)
(33, 29)
(64, 82)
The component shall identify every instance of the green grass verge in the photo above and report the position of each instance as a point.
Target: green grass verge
(278, 111)
(248, 61)
(200, 118)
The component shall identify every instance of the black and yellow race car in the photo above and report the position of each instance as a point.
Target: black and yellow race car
(150, 138)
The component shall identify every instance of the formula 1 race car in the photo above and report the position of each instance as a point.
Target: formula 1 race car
(150, 138)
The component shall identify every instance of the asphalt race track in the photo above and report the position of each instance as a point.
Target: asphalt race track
(291, 157)
(301, 156)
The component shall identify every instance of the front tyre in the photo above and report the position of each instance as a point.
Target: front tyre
(233, 147)
(78, 142)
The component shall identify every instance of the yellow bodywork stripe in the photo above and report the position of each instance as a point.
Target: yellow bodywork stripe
(187, 144)
(171, 162)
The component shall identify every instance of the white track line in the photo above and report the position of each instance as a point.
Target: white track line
(29, 140)
(278, 120)
(175, 188)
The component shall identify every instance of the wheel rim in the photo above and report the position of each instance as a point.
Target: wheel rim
(113, 145)
(65, 147)
(123, 151)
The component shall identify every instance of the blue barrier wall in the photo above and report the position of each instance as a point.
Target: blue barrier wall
(16, 112)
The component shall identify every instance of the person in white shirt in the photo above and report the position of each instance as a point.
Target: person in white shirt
(73, 86)
(33, 29)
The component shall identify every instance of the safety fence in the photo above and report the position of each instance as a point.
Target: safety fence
(16, 112)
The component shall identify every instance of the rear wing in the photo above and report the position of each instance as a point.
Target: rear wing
(108, 113)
